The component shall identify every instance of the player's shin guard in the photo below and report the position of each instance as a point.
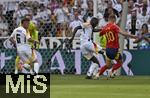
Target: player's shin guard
(116, 66)
(36, 68)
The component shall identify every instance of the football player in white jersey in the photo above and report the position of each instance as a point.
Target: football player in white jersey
(87, 46)
(20, 38)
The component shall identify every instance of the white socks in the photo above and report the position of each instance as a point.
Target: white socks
(93, 69)
(27, 66)
(36, 67)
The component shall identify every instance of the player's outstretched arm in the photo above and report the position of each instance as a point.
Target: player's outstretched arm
(126, 34)
(137, 40)
(74, 32)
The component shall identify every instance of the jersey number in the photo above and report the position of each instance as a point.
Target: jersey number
(110, 36)
(18, 38)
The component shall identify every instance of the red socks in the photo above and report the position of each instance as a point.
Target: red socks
(102, 70)
(116, 66)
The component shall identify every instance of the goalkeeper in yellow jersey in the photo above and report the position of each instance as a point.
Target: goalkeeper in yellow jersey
(32, 31)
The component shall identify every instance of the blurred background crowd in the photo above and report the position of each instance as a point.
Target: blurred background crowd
(57, 18)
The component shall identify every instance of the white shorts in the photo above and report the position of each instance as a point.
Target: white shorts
(25, 53)
(87, 49)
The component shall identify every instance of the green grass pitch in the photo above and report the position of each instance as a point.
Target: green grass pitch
(76, 86)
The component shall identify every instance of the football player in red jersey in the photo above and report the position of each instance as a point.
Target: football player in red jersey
(111, 31)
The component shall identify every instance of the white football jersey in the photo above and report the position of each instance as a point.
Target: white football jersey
(21, 37)
(86, 34)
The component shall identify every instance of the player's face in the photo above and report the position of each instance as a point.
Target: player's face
(26, 24)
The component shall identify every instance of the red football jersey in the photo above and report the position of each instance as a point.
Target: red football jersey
(111, 31)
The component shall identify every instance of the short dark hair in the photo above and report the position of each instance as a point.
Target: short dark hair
(24, 19)
(112, 17)
(94, 22)
(145, 25)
